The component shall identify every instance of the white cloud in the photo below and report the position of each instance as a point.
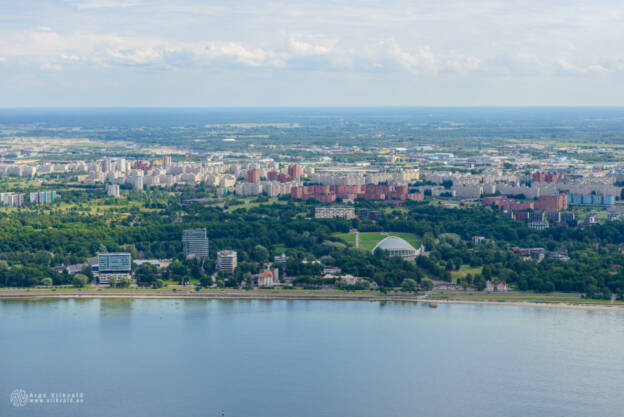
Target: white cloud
(70, 58)
(315, 53)
(111, 50)
(375, 36)
(570, 68)
(106, 4)
(51, 67)
(239, 53)
(597, 68)
(422, 59)
(298, 46)
(462, 63)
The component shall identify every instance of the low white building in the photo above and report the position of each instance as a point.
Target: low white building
(334, 212)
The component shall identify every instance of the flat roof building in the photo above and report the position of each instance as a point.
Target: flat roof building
(334, 212)
(227, 260)
(112, 190)
(113, 264)
(253, 175)
(42, 197)
(195, 243)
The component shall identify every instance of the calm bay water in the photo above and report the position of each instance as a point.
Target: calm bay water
(310, 358)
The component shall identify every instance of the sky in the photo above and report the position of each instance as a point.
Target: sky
(217, 53)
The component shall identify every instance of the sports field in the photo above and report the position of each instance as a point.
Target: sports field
(369, 240)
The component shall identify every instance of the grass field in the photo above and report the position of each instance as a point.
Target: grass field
(465, 270)
(279, 248)
(248, 204)
(369, 240)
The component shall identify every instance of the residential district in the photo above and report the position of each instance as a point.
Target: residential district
(322, 216)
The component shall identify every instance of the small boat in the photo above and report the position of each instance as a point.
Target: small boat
(433, 305)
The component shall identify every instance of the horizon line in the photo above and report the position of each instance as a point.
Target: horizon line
(489, 106)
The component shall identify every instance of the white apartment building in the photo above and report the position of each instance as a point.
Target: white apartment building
(227, 260)
(112, 190)
(334, 212)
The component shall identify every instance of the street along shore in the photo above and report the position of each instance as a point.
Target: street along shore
(181, 292)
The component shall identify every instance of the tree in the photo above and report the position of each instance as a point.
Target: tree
(146, 274)
(426, 284)
(124, 282)
(79, 280)
(112, 281)
(158, 283)
(196, 270)
(260, 253)
(248, 279)
(177, 270)
(89, 274)
(409, 284)
(47, 282)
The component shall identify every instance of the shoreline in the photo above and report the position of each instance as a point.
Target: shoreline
(38, 294)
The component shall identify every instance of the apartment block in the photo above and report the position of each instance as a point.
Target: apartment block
(334, 212)
(42, 197)
(227, 260)
(195, 243)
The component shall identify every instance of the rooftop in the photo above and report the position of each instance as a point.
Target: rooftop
(393, 242)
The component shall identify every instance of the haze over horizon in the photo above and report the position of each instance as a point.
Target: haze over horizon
(109, 53)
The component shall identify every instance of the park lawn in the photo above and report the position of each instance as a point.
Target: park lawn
(246, 204)
(465, 270)
(411, 238)
(348, 238)
(96, 205)
(369, 240)
(279, 248)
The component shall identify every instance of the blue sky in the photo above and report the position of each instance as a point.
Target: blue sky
(311, 53)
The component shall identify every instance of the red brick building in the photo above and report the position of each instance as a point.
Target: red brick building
(272, 175)
(295, 171)
(508, 204)
(325, 193)
(253, 175)
(544, 177)
(552, 202)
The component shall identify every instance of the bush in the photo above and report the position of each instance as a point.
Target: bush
(124, 282)
(47, 282)
(146, 274)
(409, 284)
(426, 284)
(79, 280)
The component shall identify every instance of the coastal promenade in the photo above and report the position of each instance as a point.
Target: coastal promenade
(187, 292)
